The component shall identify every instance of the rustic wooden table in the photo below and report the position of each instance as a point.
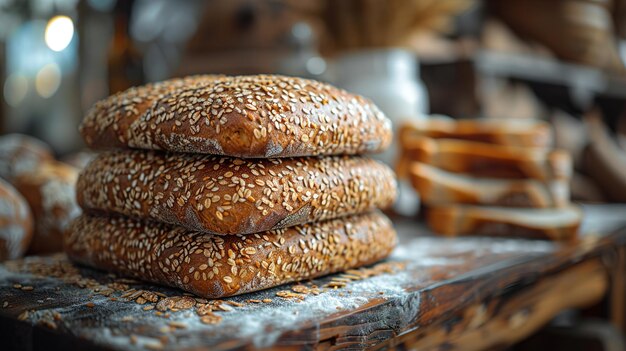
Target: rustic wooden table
(433, 293)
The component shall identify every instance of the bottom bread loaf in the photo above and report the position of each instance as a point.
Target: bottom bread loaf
(217, 266)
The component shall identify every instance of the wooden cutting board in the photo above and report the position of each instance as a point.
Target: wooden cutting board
(433, 292)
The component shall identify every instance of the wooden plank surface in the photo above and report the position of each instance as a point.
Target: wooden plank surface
(507, 319)
(433, 292)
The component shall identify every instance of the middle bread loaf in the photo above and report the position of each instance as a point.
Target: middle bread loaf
(222, 195)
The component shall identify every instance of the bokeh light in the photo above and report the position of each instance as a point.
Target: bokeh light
(59, 32)
(48, 80)
(15, 89)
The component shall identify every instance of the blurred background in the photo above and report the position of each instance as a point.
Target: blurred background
(560, 61)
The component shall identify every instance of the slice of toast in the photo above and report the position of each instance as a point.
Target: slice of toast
(507, 132)
(439, 187)
(488, 160)
(553, 224)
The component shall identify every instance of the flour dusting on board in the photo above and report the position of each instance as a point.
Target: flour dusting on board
(264, 324)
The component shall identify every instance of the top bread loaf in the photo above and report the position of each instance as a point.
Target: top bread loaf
(244, 116)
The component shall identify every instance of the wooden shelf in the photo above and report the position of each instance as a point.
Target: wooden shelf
(573, 88)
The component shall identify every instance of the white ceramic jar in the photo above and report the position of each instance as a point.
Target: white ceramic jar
(390, 78)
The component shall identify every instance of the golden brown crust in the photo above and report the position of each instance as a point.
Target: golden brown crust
(438, 187)
(217, 266)
(16, 223)
(223, 195)
(241, 116)
(551, 224)
(50, 193)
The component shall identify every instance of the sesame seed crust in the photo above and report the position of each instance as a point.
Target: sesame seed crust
(240, 116)
(224, 195)
(214, 266)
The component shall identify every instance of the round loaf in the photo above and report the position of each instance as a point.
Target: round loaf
(218, 266)
(16, 223)
(242, 116)
(21, 153)
(50, 193)
(224, 195)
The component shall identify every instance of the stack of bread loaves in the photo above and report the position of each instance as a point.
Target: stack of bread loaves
(259, 183)
(490, 177)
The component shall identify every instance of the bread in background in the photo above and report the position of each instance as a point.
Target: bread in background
(553, 224)
(16, 223)
(506, 132)
(21, 153)
(50, 193)
(490, 177)
(489, 160)
(439, 187)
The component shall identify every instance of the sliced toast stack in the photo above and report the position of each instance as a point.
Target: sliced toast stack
(490, 177)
